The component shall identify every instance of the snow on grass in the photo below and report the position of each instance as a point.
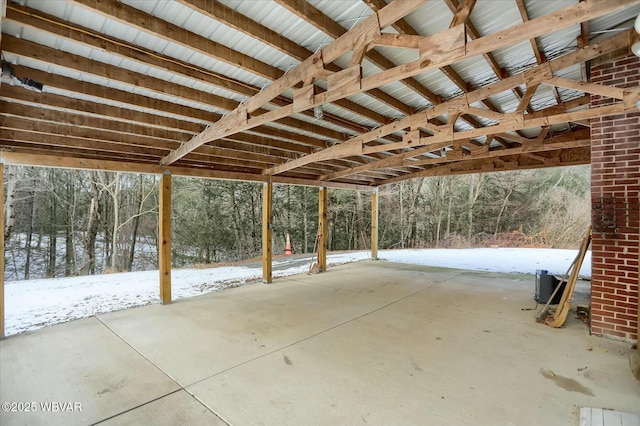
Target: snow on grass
(30, 305)
(508, 260)
(33, 304)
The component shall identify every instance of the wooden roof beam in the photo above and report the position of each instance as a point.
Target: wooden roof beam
(456, 155)
(463, 10)
(542, 143)
(142, 21)
(474, 34)
(583, 40)
(130, 167)
(244, 146)
(48, 23)
(461, 15)
(139, 101)
(30, 17)
(403, 27)
(36, 19)
(24, 48)
(76, 111)
(365, 32)
(230, 17)
(15, 94)
(45, 115)
(357, 145)
(133, 100)
(127, 13)
(325, 24)
(539, 54)
(441, 49)
(559, 157)
(92, 143)
(80, 106)
(16, 98)
(99, 139)
(513, 123)
(239, 22)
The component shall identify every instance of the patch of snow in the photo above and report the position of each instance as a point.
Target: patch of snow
(508, 260)
(33, 304)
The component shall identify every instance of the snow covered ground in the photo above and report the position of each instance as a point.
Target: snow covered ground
(509, 260)
(30, 305)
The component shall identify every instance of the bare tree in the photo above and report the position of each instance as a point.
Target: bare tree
(9, 203)
(474, 193)
(89, 239)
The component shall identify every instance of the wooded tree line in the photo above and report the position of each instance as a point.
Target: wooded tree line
(70, 222)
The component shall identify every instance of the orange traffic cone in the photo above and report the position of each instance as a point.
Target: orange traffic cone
(287, 248)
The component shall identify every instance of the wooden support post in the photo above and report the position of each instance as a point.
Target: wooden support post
(2, 250)
(323, 229)
(164, 257)
(374, 225)
(267, 232)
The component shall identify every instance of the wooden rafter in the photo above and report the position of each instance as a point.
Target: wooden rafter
(115, 125)
(474, 34)
(510, 122)
(221, 13)
(139, 101)
(583, 40)
(103, 133)
(442, 49)
(95, 137)
(24, 48)
(38, 112)
(50, 24)
(30, 49)
(70, 162)
(133, 127)
(458, 151)
(172, 33)
(462, 12)
(28, 17)
(557, 158)
(162, 104)
(144, 148)
(461, 15)
(57, 102)
(537, 51)
(328, 26)
(130, 16)
(243, 24)
(78, 112)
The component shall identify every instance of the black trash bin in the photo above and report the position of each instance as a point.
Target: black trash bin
(546, 286)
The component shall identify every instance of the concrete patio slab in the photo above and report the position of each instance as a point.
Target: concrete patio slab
(366, 343)
(222, 330)
(81, 363)
(462, 352)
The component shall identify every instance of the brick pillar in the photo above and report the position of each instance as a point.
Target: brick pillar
(615, 214)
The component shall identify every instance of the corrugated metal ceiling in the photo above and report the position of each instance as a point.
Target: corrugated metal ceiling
(434, 16)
